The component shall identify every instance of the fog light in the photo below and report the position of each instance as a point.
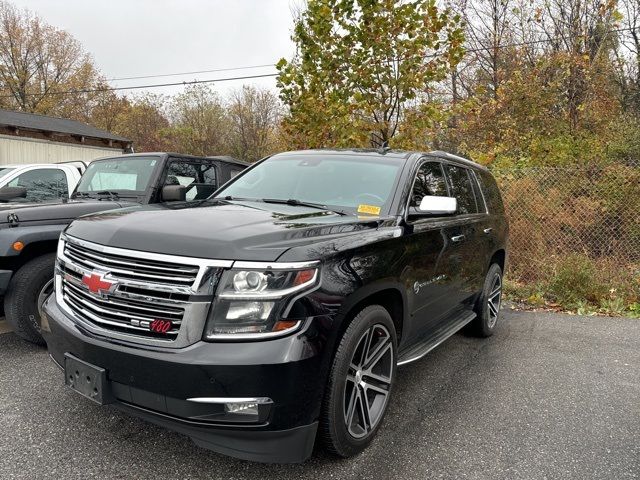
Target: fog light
(242, 408)
(239, 409)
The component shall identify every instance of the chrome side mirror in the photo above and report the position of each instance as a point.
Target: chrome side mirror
(434, 205)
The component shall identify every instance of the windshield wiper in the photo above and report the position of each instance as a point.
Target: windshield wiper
(81, 194)
(229, 197)
(99, 195)
(299, 203)
(112, 195)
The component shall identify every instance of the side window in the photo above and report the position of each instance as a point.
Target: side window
(462, 188)
(429, 181)
(480, 200)
(491, 192)
(200, 178)
(42, 184)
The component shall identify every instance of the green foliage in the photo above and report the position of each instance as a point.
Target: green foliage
(574, 280)
(578, 283)
(199, 121)
(360, 64)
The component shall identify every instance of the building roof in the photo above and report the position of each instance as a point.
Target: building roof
(45, 123)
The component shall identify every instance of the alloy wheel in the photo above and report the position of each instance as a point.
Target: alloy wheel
(494, 299)
(368, 381)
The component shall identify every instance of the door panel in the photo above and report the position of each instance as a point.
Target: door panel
(428, 274)
(467, 249)
(469, 232)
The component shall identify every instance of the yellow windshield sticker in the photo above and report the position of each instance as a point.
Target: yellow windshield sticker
(370, 209)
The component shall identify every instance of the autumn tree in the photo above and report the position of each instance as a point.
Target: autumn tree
(579, 33)
(488, 30)
(628, 55)
(199, 124)
(38, 62)
(360, 64)
(108, 110)
(254, 116)
(142, 119)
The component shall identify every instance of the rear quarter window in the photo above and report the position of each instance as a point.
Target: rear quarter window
(461, 187)
(491, 192)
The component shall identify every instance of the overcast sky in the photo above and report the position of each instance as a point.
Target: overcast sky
(147, 37)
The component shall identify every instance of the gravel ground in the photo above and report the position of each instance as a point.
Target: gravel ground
(549, 396)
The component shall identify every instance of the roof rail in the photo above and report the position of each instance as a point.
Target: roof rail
(451, 156)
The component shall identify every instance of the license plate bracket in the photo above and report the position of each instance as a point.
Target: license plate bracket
(88, 380)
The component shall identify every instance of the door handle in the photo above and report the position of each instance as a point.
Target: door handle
(458, 238)
(488, 230)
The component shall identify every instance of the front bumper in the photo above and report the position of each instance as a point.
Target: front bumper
(155, 384)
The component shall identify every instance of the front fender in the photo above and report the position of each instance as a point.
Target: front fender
(369, 291)
(26, 235)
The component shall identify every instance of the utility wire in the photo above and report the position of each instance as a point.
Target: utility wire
(197, 72)
(266, 75)
(541, 40)
(137, 87)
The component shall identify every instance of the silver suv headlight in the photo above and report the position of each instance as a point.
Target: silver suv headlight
(253, 301)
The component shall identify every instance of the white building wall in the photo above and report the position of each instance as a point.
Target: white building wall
(31, 150)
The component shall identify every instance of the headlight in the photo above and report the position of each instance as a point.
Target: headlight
(253, 302)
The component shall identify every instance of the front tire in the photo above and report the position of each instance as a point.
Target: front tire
(360, 382)
(488, 306)
(28, 289)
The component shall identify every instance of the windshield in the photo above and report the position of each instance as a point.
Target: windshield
(363, 184)
(118, 174)
(4, 171)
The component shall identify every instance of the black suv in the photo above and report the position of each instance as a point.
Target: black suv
(282, 305)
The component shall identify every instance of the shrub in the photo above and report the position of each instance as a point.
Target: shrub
(575, 280)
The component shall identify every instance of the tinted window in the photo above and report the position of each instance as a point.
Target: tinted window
(362, 183)
(429, 181)
(42, 184)
(118, 174)
(462, 188)
(199, 178)
(491, 192)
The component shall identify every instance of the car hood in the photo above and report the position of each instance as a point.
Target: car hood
(218, 230)
(56, 211)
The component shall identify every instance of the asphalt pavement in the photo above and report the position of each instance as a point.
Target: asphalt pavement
(549, 396)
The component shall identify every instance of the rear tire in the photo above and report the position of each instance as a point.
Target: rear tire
(488, 306)
(26, 291)
(360, 382)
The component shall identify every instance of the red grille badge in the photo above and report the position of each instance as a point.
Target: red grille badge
(96, 283)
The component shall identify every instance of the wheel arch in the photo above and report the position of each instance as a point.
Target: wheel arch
(389, 295)
(35, 249)
(499, 257)
(29, 252)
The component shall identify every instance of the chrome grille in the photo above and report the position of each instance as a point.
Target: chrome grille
(144, 288)
(119, 313)
(133, 268)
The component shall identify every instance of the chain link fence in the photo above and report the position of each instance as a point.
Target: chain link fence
(574, 231)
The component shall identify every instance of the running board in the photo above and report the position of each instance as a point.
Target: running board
(419, 351)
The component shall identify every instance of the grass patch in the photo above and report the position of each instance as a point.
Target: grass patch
(579, 284)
